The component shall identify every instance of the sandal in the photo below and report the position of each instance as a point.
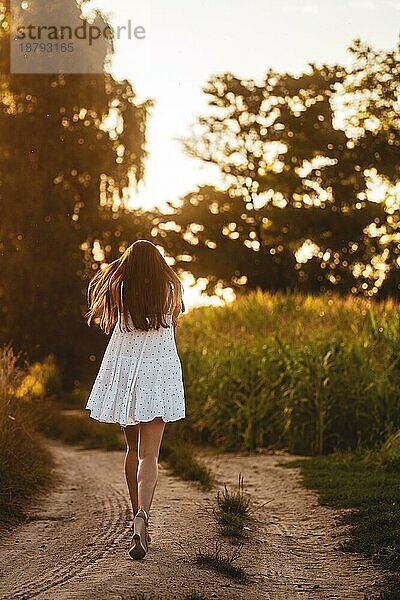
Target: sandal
(139, 546)
(147, 533)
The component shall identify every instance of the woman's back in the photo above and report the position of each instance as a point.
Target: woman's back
(140, 376)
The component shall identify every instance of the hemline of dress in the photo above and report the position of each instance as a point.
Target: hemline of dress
(136, 422)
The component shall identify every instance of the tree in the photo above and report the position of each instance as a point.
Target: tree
(295, 180)
(63, 175)
(374, 123)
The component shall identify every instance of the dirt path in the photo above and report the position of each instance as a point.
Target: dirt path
(75, 544)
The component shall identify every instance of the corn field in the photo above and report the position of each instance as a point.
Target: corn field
(302, 373)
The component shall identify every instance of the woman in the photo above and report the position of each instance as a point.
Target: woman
(139, 384)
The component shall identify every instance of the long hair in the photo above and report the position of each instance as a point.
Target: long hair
(139, 285)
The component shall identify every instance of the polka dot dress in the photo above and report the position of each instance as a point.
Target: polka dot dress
(140, 378)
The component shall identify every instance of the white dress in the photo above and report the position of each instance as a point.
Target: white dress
(140, 378)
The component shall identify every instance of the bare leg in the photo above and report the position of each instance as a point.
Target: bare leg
(131, 433)
(150, 436)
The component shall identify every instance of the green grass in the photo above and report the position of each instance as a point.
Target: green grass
(76, 427)
(222, 563)
(179, 454)
(307, 374)
(232, 511)
(25, 463)
(365, 483)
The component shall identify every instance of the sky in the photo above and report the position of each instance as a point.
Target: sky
(186, 41)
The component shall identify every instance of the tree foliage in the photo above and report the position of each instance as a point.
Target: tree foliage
(69, 143)
(300, 156)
